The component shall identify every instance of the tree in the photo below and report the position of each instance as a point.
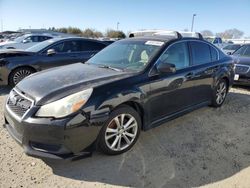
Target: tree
(98, 34)
(89, 33)
(115, 34)
(74, 31)
(206, 33)
(231, 34)
(62, 30)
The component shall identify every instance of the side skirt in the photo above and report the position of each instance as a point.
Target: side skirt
(175, 115)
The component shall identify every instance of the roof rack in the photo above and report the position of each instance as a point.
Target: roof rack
(191, 34)
(170, 33)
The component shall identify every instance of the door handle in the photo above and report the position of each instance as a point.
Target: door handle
(189, 75)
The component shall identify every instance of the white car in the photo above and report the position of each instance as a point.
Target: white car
(25, 41)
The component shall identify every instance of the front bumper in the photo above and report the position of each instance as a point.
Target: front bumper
(49, 138)
(243, 80)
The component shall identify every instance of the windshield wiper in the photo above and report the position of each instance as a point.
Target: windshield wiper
(108, 67)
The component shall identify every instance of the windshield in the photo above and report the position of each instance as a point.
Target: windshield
(129, 55)
(231, 47)
(20, 39)
(40, 46)
(243, 51)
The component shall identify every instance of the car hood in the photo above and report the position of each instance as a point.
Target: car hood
(242, 60)
(53, 84)
(5, 53)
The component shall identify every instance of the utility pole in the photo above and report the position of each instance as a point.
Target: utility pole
(117, 26)
(192, 27)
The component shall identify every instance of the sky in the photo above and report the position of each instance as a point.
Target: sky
(214, 15)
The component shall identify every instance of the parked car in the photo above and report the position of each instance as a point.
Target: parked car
(217, 41)
(25, 41)
(132, 85)
(17, 64)
(231, 48)
(242, 66)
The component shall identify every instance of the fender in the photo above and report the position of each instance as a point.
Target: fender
(227, 71)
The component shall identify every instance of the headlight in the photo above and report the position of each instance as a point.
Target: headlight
(65, 106)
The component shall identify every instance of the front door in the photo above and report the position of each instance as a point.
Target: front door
(172, 92)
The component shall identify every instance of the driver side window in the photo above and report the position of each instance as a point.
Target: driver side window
(176, 54)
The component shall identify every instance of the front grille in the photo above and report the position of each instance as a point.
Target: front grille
(18, 104)
(241, 69)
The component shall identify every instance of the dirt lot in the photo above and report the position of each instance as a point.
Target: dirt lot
(208, 147)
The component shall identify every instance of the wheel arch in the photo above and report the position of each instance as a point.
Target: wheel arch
(137, 107)
(18, 67)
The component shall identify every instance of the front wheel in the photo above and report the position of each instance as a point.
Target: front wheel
(220, 93)
(120, 132)
(18, 74)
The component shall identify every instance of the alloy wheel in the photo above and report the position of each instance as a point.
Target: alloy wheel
(21, 74)
(121, 132)
(221, 93)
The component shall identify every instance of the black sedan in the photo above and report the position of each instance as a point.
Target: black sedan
(16, 65)
(242, 66)
(132, 85)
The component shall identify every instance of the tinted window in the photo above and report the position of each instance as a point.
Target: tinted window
(241, 50)
(214, 53)
(200, 53)
(34, 38)
(43, 38)
(232, 47)
(58, 47)
(177, 54)
(247, 52)
(67, 47)
(91, 46)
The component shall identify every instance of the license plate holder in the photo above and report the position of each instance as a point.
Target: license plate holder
(236, 77)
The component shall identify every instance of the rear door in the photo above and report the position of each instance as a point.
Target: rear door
(205, 63)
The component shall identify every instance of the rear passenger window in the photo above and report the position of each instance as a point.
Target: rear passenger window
(200, 53)
(214, 54)
(91, 46)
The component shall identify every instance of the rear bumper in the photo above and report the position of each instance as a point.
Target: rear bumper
(48, 138)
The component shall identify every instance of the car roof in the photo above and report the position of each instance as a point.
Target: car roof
(56, 39)
(162, 38)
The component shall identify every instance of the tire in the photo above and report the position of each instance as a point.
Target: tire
(18, 74)
(112, 136)
(219, 93)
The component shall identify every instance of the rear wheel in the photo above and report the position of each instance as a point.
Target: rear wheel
(18, 74)
(120, 132)
(220, 93)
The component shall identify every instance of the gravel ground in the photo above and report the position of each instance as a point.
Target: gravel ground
(208, 147)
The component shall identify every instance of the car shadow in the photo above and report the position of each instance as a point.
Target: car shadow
(4, 90)
(202, 147)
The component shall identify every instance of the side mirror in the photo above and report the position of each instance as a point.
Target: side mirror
(166, 68)
(229, 53)
(51, 52)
